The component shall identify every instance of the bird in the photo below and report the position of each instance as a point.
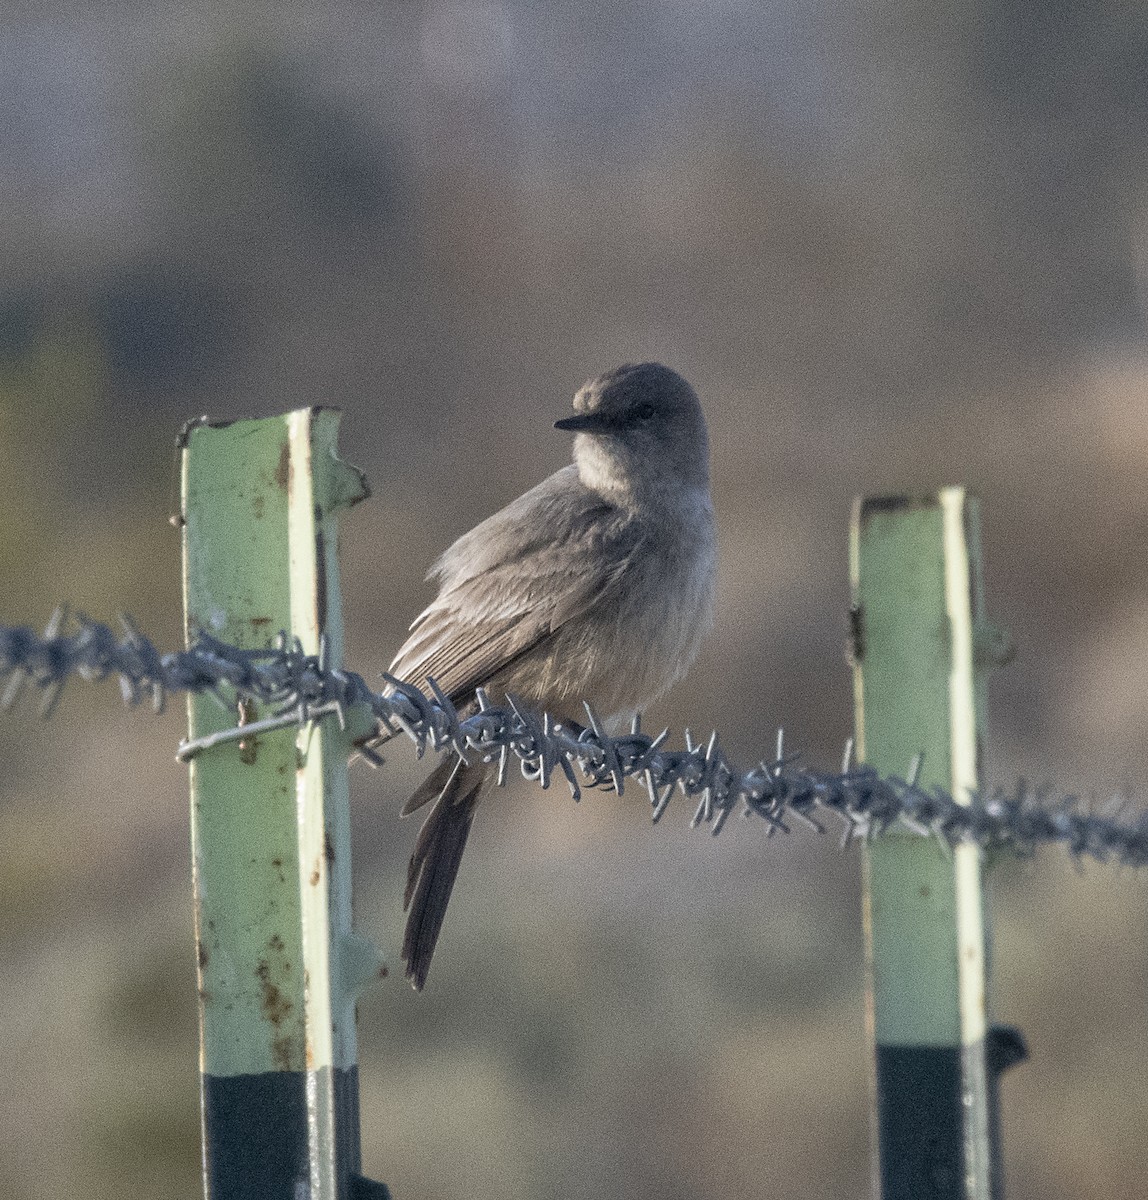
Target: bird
(596, 585)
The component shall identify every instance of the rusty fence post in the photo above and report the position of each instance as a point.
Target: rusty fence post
(279, 963)
(921, 654)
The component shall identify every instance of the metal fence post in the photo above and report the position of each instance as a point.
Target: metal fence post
(919, 695)
(279, 965)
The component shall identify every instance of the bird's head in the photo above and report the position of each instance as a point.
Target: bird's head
(640, 430)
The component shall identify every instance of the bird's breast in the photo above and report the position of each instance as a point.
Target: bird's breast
(666, 612)
(644, 632)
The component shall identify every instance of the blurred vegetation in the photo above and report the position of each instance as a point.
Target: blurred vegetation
(891, 247)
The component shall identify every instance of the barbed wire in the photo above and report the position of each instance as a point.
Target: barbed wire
(300, 687)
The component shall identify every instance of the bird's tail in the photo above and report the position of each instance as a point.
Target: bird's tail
(454, 787)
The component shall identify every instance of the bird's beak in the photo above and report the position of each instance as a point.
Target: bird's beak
(591, 422)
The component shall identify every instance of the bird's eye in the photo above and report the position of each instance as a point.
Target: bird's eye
(644, 412)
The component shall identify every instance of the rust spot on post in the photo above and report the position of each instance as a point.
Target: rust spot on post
(248, 747)
(283, 470)
(275, 1007)
(281, 1053)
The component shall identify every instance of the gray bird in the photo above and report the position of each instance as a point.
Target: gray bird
(595, 585)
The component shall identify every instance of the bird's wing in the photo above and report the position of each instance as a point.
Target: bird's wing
(551, 569)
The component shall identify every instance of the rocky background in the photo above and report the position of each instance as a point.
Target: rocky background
(892, 247)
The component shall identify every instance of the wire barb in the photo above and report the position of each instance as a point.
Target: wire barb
(296, 687)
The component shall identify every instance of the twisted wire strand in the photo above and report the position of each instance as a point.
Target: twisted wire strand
(298, 687)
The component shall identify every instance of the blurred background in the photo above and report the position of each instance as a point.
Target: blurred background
(892, 247)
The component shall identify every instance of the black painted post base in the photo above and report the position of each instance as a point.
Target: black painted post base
(255, 1134)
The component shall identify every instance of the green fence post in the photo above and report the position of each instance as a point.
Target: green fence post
(279, 965)
(919, 695)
